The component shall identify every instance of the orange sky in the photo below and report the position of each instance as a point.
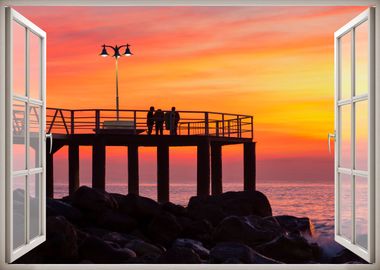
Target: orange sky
(275, 63)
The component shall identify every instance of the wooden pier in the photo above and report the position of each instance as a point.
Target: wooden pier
(208, 131)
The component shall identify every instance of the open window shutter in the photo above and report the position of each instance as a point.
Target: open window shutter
(25, 135)
(354, 132)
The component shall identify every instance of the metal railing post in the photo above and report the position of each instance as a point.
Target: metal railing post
(97, 121)
(252, 127)
(72, 125)
(223, 124)
(135, 121)
(217, 128)
(206, 124)
(229, 128)
(188, 128)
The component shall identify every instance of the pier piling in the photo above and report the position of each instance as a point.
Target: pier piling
(133, 169)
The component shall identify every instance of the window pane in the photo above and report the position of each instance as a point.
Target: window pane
(361, 211)
(361, 57)
(34, 137)
(361, 135)
(19, 59)
(19, 136)
(34, 204)
(345, 206)
(18, 211)
(345, 66)
(35, 66)
(345, 136)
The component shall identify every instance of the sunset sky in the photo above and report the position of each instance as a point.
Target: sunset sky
(275, 63)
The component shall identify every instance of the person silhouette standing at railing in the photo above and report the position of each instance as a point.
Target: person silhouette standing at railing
(174, 119)
(150, 120)
(159, 119)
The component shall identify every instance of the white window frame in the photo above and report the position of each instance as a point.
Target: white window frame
(4, 3)
(12, 254)
(366, 16)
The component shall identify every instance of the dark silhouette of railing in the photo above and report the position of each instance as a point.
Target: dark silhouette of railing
(90, 121)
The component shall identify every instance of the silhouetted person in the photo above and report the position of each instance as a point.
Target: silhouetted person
(174, 119)
(167, 121)
(159, 119)
(150, 120)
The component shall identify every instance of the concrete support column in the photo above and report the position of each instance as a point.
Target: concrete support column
(133, 169)
(250, 166)
(216, 169)
(203, 169)
(73, 167)
(99, 165)
(49, 174)
(163, 173)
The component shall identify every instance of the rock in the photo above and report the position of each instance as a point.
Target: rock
(98, 251)
(216, 208)
(141, 208)
(346, 256)
(229, 252)
(60, 208)
(164, 229)
(142, 248)
(250, 230)
(180, 255)
(120, 238)
(201, 208)
(95, 231)
(290, 249)
(174, 209)
(194, 245)
(61, 241)
(200, 230)
(93, 200)
(293, 224)
(115, 221)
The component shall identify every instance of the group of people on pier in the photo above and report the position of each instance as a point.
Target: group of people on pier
(158, 117)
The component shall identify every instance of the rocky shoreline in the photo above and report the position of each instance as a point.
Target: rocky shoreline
(93, 226)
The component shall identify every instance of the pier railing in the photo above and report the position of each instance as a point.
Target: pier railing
(90, 121)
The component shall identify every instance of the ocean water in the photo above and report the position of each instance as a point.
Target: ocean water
(315, 201)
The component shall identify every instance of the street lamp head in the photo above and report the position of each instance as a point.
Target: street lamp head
(117, 54)
(104, 52)
(127, 51)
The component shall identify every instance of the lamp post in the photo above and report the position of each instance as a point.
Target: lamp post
(116, 50)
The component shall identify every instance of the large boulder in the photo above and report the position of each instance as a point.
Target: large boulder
(60, 208)
(180, 255)
(98, 251)
(293, 224)
(174, 209)
(93, 200)
(200, 230)
(346, 256)
(115, 221)
(60, 245)
(241, 203)
(164, 229)
(230, 252)
(250, 230)
(194, 245)
(120, 238)
(142, 248)
(290, 249)
(61, 241)
(143, 209)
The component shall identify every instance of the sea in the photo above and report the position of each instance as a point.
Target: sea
(312, 200)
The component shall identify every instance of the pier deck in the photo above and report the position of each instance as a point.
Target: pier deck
(208, 131)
